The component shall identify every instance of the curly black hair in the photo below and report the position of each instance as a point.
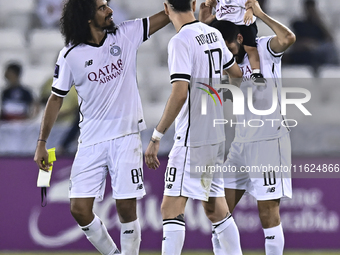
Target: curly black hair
(74, 24)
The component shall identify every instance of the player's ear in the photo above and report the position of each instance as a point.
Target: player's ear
(239, 39)
(194, 5)
(166, 8)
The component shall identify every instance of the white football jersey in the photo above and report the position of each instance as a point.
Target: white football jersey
(232, 10)
(105, 79)
(261, 99)
(198, 55)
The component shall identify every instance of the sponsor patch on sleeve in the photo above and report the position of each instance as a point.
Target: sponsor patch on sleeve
(56, 71)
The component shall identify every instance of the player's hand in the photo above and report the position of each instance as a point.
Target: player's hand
(151, 152)
(255, 6)
(210, 3)
(248, 17)
(41, 157)
(205, 14)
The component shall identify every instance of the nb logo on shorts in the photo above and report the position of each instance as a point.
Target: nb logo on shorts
(271, 190)
(139, 186)
(169, 186)
(270, 237)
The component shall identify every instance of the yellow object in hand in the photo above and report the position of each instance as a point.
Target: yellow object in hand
(45, 177)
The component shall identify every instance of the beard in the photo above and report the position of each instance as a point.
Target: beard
(240, 55)
(112, 27)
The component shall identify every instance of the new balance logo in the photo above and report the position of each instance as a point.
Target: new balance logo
(271, 190)
(128, 232)
(139, 186)
(270, 237)
(88, 63)
(85, 229)
(169, 186)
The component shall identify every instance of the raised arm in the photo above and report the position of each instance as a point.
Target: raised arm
(174, 105)
(158, 21)
(50, 115)
(205, 14)
(211, 3)
(284, 36)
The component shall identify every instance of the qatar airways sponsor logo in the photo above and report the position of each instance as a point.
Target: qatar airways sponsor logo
(107, 73)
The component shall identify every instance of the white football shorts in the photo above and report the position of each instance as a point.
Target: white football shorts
(187, 175)
(261, 168)
(122, 158)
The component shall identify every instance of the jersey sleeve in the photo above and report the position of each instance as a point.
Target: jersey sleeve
(62, 79)
(179, 61)
(137, 31)
(264, 47)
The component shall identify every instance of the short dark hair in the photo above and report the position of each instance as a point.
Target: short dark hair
(14, 67)
(74, 21)
(180, 5)
(228, 30)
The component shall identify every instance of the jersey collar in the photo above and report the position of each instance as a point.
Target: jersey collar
(101, 42)
(192, 22)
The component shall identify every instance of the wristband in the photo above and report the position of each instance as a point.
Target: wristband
(157, 135)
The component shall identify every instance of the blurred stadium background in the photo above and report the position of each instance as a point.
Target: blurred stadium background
(311, 219)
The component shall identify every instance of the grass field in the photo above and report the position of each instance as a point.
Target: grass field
(184, 253)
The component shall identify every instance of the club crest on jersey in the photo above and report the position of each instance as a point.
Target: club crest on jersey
(115, 50)
(56, 71)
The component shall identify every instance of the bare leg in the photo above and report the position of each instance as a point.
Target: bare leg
(269, 212)
(81, 210)
(233, 196)
(94, 229)
(253, 56)
(130, 232)
(173, 206)
(224, 226)
(126, 209)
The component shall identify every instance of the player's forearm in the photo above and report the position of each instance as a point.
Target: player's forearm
(172, 109)
(50, 115)
(284, 35)
(211, 3)
(235, 74)
(249, 11)
(205, 14)
(158, 21)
